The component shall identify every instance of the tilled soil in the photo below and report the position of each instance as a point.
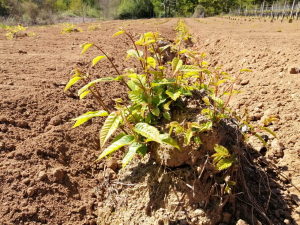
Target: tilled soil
(47, 169)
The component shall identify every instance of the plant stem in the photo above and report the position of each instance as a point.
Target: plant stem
(136, 49)
(110, 60)
(230, 94)
(96, 96)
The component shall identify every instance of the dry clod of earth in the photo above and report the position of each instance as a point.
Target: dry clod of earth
(294, 70)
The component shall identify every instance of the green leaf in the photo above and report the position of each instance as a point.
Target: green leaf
(137, 96)
(227, 189)
(142, 151)
(72, 82)
(118, 137)
(270, 131)
(119, 33)
(161, 49)
(217, 157)
(85, 117)
(161, 83)
(84, 94)
(196, 125)
(110, 126)
(134, 53)
(222, 150)
(151, 62)
(232, 183)
(167, 105)
(174, 64)
(197, 140)
(85, 47)
(179, 64)
(97, 59)
(126, 140)
(189, 68)
(147, 131)
(94, 82)
(205, 127)
(245, 70)
(166, 139)
(167, 115)
(188, 136)
(133, 148)
(220, 102)
(155, 112)
(221, 81)
(224, 164)
(172, 95)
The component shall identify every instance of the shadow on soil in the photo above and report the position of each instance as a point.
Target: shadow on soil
(256, 198)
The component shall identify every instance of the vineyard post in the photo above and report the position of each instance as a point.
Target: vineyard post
(292, 9)
(283, 12)
(262, 9)
(272, 10)
(255, 11)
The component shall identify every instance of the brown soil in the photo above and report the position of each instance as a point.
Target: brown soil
(47, 169)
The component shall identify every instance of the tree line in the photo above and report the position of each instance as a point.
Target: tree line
(35, 11)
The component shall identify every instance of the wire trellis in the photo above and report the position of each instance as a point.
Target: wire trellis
(275, 10)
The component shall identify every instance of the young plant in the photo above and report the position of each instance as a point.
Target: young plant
(18, 31)
(94, 27)
(183, 33)
(152, 92)
(69, 28)
(250, 130)
(224, 161)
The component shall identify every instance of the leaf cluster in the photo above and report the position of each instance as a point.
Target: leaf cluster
(69, 28)
(17, 31)
(153, 93)
(94, 27)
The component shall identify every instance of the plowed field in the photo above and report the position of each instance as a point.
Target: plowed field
(47, 169)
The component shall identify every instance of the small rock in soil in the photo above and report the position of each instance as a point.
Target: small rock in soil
(55, 120)
(244, 82)
(59, 173)
(26, 181)
(287, 221)
(112, 163)
(100, 177)
(241, 222)
(30, 191)
(22, 52)
(270, 112)
(3, 119)
(277, 148)
(294, 70)
(42, 175)
(9, 155)
(199, 212)
(260, 105)
(24, 174)
(2, 145)
(109, 173)
(22, 124)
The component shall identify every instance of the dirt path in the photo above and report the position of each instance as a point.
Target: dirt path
(47, 174)
(270, 89)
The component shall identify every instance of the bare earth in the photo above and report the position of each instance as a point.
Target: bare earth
(47, 169)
